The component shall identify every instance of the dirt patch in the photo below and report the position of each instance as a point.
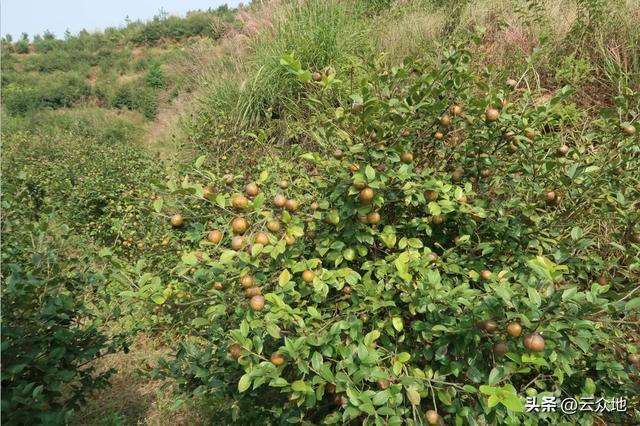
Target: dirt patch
(134, 399)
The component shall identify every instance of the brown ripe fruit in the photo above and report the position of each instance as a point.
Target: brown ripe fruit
(406, 133)
(445, 120)
(273, 225)
(283, 184)
(140, 244)
(463, 199)
(235, 351)
(433, 256)
(292, 205)
(218, 286)
(354, 168)
(214, 236)
(457, 175)
(207, 192)
(338, 154)
(406, 157)
(485, 275)
(279, 200)
(330, 388)
(438, 135)
(177, 220)
(628, 129)
(360, 185)
(165, 242)
(308, 276)
(530, 133)
(316, 76)
(383, 384)
(549, 196)
(603, 280)
(373, 218)
(314, 205)
(485, 173)
(277, 359)
(433, 418)
(514, 329)
(251, 189)
(490, 326)
(366, 195)
(430, 195)
(633, 358)
(455, 109)
(562, 151)
(261, 238)
(346, 290)
(227, 179)
(289, 240)
(491, 114)
(237, 242)
(438, 219)
(500, 348)
(257, 303)
(239, 225)
(246, 281)
(339, 400)
(252, 291)
(239, 201)
(533, 342)
(512, 83)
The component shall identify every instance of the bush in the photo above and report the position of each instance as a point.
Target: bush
(155, 76)
(50, 331)
(446, 258)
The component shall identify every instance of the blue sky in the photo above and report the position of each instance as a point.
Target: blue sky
(36, 16)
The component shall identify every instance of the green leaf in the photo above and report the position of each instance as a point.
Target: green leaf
(158, 299)
(633, 304)
(370, 173)
(157, 204)
(397, 323)
(200, 161)
(513, 403)
(244, 383)
(576, 233)
(285, 277)
(299, 386)
(534, 296)
(403, 357)
(189, 259)
(381, 398)
(413, 395)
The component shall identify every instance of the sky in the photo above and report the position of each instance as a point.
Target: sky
(37, 16)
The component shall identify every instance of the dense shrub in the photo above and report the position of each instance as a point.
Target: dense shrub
(454, 224)
(51, 331)
(58, 90)
(155, 76)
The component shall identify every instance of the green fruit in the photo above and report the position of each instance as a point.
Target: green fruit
(333, 217)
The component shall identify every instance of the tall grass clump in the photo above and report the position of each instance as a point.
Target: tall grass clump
(321, 34)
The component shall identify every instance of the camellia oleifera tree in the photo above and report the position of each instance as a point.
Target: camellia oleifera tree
(449, 248)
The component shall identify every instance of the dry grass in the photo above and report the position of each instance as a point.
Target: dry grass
(133, 399)
(415, 30)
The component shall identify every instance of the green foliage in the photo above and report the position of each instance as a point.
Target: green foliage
(51, 325)
(94, 189)
(56, 91)
(475, 199)
(155, 76)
